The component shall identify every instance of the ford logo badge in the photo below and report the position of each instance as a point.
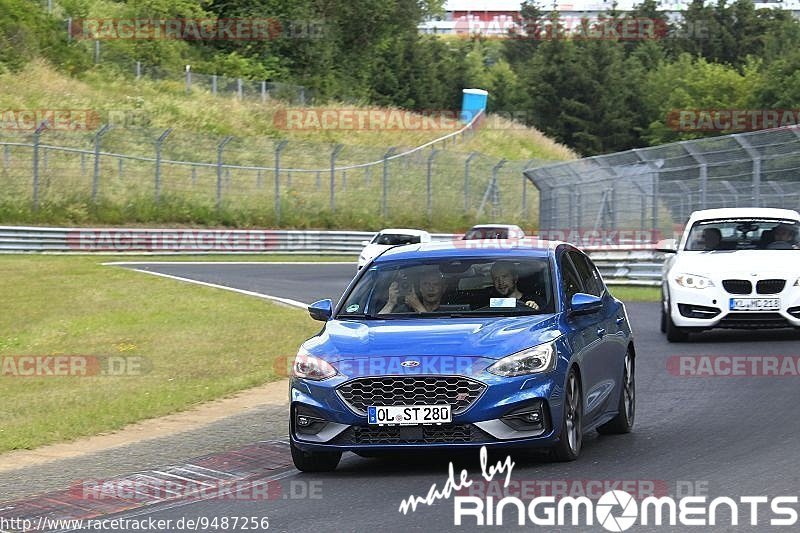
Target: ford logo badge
(409, 364)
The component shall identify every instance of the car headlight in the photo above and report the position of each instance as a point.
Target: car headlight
(307, 366)
(531, 361)
(692, 281)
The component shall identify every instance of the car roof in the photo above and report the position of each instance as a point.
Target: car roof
(504, 226)
(403, 231)
(489, 248)
(747, 212)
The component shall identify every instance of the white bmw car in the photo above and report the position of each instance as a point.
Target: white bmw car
(733, 268)
(387, 238)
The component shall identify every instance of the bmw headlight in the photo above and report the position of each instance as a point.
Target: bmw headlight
(534, 360)
(307, 366)
(692, 281)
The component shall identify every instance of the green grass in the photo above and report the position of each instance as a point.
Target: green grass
(628, 293)
(201, 344)
(126, 193)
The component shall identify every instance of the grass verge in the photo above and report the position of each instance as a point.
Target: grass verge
(628, 293)
(198, 343)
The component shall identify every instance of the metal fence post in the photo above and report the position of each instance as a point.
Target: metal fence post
(239, 89)
(96, 178)
(214, 85)
(496, 210)
(528, 165)
(756, 156)
(138, 70)
(188, 78)
(96, 52)
(263, 92)
(6, 156)
(278, 149)
(334, 154)
(159, 143)
(429, 182)
(36, 135)
(220, 150)
(467, 164)
(385, 194)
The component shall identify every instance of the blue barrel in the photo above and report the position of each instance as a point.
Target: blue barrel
(475, 101)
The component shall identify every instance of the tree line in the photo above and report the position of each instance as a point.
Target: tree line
(598, 85)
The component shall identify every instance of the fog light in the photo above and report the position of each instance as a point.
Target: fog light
(308, 421)
(527, 418)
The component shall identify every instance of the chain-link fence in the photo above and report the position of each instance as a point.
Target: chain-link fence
(264, 181)
(656, 189)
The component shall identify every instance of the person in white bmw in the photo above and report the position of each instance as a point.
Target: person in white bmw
(784, 238)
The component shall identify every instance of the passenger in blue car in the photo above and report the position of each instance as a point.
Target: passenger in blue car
(403, 297)
(505, 280)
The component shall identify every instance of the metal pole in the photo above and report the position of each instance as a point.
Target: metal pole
(385, 194)
(467, 165)
(334, 154)
(214, 85)
(528, 165)
(159, 142)
(429, 182)
(188, 79)
(263, 92)
(69, 30)
(138, 70)
(220, 150)
(239, 87)
(496, 211)
(36, 135)
(96, 52)
(96, 178)
(278, 149)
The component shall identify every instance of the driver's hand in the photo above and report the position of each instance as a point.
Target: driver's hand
(394, 293)
(533, 305)
(413, 301)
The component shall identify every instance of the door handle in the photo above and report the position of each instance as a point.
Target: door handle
(620, 320)
(601, 332)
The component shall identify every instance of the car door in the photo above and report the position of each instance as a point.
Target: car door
(602, 361)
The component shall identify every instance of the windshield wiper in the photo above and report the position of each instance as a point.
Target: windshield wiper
(363, 316)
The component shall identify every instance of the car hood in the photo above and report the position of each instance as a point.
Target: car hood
(480, 337)
(721, 265)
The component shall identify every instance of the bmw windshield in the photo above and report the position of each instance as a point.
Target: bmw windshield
(743, 234)
(452, 287)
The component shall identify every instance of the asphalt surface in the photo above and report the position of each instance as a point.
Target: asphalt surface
(722, 436)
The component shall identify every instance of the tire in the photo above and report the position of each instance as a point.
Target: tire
(664, 307)
(674, 333)
(315, 461)
(626, 414)
(571, 439)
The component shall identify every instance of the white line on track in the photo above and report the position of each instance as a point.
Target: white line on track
(285, 301)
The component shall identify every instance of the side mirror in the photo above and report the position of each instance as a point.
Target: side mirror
(667, 246)
(321, 310)
(364, 243)
(584, 304)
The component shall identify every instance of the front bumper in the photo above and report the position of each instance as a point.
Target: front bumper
(710, 308)
(481, 424)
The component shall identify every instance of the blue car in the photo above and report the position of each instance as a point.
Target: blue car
(441, 346)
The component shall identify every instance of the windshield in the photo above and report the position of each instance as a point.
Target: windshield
(452, 287)
(395, 239)
(743, 234)
(487, 233)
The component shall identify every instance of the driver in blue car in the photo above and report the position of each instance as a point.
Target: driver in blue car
(505, 280)
(403, 297)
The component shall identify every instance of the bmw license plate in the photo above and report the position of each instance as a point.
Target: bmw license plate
(755, 304)
(407, 415)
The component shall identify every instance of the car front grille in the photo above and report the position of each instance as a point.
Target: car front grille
(444, 434)
(738, 286)
(458, 392)
(753, 320)
(770, 286)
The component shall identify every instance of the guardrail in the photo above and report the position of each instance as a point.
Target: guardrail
(633, 264)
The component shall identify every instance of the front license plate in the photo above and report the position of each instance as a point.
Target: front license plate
(755, 304)
(407, 415)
